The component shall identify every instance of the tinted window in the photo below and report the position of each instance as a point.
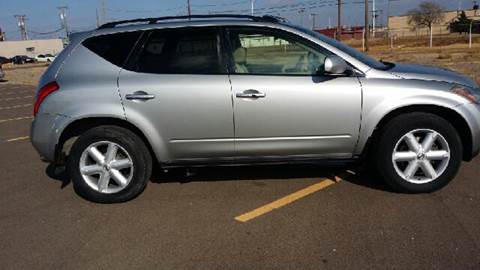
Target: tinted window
(259, 51)
(186, 51)
(114, 48)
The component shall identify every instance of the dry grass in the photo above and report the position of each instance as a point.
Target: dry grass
(454, 57)
(451, 52)
(27, 74)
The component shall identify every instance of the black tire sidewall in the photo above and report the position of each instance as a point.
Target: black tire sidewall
(400, 126)
(135, 147)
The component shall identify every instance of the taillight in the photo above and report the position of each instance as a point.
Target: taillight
(43, 93)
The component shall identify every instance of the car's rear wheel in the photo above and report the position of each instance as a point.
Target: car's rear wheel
(109, 164)
(418, 152)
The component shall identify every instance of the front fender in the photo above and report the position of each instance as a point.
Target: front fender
(382, 97)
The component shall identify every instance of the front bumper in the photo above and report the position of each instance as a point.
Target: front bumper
(471, 113)
(45, 134)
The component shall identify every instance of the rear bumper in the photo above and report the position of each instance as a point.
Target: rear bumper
(45, 134)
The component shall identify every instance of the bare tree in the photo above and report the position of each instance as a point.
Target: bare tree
(426, 15)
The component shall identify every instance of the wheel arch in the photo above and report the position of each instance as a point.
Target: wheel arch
(75, 128)
(452, 116)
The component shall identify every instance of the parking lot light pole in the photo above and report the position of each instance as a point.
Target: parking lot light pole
(470, 35)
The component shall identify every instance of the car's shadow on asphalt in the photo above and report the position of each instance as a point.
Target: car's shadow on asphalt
(354, 175)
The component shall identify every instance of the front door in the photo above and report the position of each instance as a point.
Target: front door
(178, 88)
(284, 105)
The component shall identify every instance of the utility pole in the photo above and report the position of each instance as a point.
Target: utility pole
(301, 11)
(314, 17)
(21, 24)
(374, 18)
(189, 7)
(103, 12)
(339, 22)
(366, 30)
(63, 19)
(470, 35)
(98, 19)
(388, 14)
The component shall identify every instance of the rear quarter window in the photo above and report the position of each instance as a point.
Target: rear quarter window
(114, 48)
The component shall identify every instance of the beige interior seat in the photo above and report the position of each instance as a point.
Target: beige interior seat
(240, 56)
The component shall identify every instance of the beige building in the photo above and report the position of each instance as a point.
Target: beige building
(30, 47)
(398, 25)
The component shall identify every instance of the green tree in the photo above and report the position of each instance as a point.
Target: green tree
(461, 24)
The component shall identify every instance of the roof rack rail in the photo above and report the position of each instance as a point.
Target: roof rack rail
(266, 18)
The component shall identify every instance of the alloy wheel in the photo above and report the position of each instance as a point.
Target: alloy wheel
(106, 167)
(421, 156)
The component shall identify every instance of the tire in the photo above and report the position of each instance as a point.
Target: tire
(131, 160)
(398, 137)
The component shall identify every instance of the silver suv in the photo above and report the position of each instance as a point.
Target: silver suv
(232, 89)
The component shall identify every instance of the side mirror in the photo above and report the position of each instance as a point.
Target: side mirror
(335, 65)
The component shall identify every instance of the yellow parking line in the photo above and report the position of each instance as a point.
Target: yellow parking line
(18, 139)
(15, 98)
(286, 200)
(15, 107)
(15, 119)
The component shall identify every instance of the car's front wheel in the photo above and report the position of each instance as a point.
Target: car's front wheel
(109, 164)
(418, 152)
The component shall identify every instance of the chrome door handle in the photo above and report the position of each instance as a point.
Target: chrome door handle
(139, 95)
(251, 93)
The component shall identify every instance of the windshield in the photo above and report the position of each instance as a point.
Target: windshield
(362, 57)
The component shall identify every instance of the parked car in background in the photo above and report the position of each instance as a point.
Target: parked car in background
(232, 89)
(2, 74)
(45, 58)
(4, 60)
(22, 59)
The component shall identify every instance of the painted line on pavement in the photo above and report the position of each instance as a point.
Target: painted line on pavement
(262, 210)
(15, 107)
(18, 139)
(15, 119)
(15, 98)
(18, 92)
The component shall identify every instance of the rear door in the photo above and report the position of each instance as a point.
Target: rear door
(285, 106)
(176, 86)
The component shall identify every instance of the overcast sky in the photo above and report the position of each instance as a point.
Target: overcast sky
(42, 16)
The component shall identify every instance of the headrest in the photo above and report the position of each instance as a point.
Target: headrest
(240, 55)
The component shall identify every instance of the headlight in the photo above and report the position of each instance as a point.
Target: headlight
(472, 95)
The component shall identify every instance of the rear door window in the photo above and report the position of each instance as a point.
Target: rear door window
(181, 51)
(114, 48)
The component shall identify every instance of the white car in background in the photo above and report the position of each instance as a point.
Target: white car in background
(45, 58)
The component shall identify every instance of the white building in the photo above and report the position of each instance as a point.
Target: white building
(30, 47)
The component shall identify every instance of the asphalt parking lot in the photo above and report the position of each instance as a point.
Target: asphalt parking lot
(280, 217)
